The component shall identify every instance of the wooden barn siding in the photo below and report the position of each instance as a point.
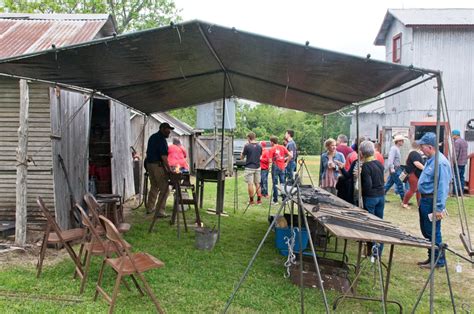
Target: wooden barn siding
(40, 178)
(73, 147)
(122, 163)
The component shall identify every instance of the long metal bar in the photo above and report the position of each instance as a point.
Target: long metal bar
(359, 181)
(359, 258)
(379, 266)
(462, 198)
(435, 195)
(451, 294)
(323, 138)
(219, 183)
(259, 247)
(214, 53)
(389, 270)
(300, 254)
(315, 259)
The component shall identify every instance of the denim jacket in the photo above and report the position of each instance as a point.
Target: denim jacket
(324, 164)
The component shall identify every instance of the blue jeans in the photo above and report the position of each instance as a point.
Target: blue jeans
(290, 171)
(277, 174)
(457, 189)
(264, 182)
(426, 207)
(375, 205)
(394, 179)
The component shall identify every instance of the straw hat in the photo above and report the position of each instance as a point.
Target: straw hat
(398, 137)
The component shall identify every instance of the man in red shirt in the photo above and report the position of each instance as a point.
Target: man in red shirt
(342, 146)
(279, 156)
(264, 167)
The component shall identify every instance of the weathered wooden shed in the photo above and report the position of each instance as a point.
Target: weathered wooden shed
(142, 125)
(62, 122)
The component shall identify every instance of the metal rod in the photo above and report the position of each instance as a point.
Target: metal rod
(451, 295)
(359, 181)
(300, 253)
(323, 138)
(218, 210)
(379, 266)
(252, 260)
(389, 270)
(359, 257)
(435, 196)
(462, 198)
(315, 259)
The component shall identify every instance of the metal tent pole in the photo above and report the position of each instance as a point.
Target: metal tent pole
(359, 183)
(221, 202)
(323, 138)
(435, 194)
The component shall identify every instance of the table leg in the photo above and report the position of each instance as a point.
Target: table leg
(389, 268)
(359, 258)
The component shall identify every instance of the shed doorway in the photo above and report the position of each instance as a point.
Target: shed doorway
(100, 166)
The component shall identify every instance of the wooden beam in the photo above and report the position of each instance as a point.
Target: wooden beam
(22, 166)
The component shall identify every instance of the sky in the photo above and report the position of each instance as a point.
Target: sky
(348, 26)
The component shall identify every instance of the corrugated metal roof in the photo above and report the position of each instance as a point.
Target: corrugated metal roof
(25, 33)
(180, 127)
(425, 17)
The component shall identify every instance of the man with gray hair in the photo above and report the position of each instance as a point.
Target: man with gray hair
(342, 146)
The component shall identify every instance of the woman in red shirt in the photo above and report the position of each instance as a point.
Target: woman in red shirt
(177, 155)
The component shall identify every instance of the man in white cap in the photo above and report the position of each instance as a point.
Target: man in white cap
(426, 187)
(394, 167)
(460, 147)
(156, 163)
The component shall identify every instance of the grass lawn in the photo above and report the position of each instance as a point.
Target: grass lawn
(202, 281)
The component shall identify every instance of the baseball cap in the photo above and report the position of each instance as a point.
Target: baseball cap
(456, 132)
(429, 138)
(166, 125)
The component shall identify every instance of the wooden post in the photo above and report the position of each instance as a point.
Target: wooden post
(22, 166)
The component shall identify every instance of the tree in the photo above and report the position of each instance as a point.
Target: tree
(127, 15)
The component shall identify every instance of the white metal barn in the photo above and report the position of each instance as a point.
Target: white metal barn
(427, 38)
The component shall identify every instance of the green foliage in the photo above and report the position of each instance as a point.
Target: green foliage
(187, 115)
(128, 15)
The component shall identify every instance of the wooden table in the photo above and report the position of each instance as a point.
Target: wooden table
(113, 207)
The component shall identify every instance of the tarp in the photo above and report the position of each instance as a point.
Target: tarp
(187, 64)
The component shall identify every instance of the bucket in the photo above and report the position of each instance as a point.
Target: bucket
(205, 238)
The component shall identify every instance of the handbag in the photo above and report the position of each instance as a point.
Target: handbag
(403, 176)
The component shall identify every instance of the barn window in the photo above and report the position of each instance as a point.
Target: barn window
(397, 48)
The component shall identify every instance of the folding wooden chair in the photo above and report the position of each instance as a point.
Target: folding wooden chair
(94, 209)
(95, 245)
(54, 235)
(127, 264)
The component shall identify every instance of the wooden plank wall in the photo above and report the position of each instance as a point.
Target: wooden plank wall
(40, 178)
(70, 120)
(122, 163)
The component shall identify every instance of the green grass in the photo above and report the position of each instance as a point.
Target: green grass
(202, 281)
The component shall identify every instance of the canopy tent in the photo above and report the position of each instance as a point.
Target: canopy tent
(187, 64)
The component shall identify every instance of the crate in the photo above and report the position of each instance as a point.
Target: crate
(280, 241)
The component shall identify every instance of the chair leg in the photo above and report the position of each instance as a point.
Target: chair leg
(150, 293)
(137, 285)
(153, 222)
(83, 262)
(76, 261)
(87, 256)
(115, 293)
(39, 265)
(99, 280)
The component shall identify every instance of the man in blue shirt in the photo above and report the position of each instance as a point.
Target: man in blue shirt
(426, 188)
(156, 163)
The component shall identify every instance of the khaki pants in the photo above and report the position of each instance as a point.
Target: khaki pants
(159, 187)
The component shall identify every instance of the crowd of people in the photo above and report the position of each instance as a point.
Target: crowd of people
(344, 171)
(259, 161)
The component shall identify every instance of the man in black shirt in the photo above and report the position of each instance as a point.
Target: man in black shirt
(156, 163)
(252, 152)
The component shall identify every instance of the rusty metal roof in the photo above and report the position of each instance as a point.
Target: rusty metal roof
(26, 33)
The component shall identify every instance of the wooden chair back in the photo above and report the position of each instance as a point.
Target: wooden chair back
(95, 237)
(113, 235)
(93, 206)
(52, 225)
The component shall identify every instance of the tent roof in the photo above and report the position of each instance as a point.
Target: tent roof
(186, 64)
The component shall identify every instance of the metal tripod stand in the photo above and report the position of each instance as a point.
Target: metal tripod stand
(292, 195)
